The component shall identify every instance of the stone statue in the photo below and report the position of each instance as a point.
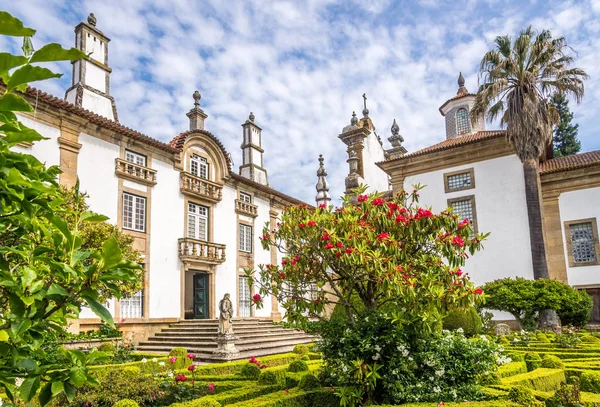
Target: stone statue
(226, 311)
(502, 329)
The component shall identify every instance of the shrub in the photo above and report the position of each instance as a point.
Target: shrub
(552, 362)
(469, 321)
(106, 347)
(516, 357)
(523, 396)
(503, 340)
(301, 349)
(298, 366)
(250, 370)
(305, 357)
(309, 382)
(565, 396)
(539, 379)
(542, 337)
(533, 361)
(182, 361)
(126, 403)
(590, 381)
(201, 402)
(267, 377)
(587, 338)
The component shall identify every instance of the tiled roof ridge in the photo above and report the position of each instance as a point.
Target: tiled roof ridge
(571, 162)
(97, 119)
(178, 141)
(458, 96)
(267, 189)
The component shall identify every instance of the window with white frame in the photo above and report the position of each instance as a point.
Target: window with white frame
(464, 207)
(134, 212)
(199, 166)
(462, 121)
(197, 222)
(245, 238)
(135, 158)
(133, 307)
(582, 241)
(244, 197)
(244, 289)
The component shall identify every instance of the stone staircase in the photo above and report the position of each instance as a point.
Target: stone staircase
(255, 338)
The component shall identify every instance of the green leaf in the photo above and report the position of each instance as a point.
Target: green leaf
(29, 387)
(13, 103)
(30, 73)
(27, 364)
(8, 62)
(93, 217)
(57, 387)
(54, 52)
(4, 336)
(46, 393)
(78, 376)
(17, 306)
(69, 391)
(13, 26)
(55, 289)
(100, 310)
(111, 253)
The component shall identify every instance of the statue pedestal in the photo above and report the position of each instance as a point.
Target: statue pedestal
(226, 349)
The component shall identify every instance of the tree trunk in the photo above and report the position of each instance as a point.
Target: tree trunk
(534, 211)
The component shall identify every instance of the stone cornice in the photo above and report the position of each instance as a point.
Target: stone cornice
(553, 184)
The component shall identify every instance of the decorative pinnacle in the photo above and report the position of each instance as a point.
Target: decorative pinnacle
(365, 111)
(461, 84)
(395, 128)
(197, 98)
(396, 139)
(322, 184)
(92, 20)
(251, 117)
(354, 119)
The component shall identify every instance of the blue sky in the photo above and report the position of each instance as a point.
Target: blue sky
(302, 66)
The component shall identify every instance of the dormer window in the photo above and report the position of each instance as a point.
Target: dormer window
(199, 166)
(462, 121)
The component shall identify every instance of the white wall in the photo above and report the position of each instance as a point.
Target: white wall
(501, 209)
(582, 204)
(97, 104)
(46, 151)
(167, 225)
(225, 232)
(261, 256)
(374, 177)
(94, 46)
(95, 77)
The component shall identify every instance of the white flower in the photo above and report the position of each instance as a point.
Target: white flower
(460, 330)
(170, 374)
(1, 402)
(405, 353)
(377, 348)
(376, 357)
(437, 389)
(144, 360)
(439, 373)
(154, 360)
(19, 381)
(410, 358)
(161, 363)
(484, 338)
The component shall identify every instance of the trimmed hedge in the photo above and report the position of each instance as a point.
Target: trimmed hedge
(533, 361)
(201, 402)
(469, 321)
(552, 362)
(298, 366)
(250, 370)
(590, 381)
(539, 379)
(294, 398)
(511, 369)
(182, 362)
(126, 403)
(244, 393)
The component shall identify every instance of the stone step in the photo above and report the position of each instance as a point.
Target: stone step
(169, 336)
(176, 328)
(240, 342)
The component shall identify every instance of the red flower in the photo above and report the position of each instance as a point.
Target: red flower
(191, 368)
(338, 254)
(191, 356)
(323, 206)
(349, 250)
(256, 298)
(325, 236)
(180, 378)
(383, 236)
(286, 390)
(423, 213)
(173, 360)
(281, 275)
(283, 262)
(265, 237)
(301, 225)
(311, 223)
(339, 244)
(458, 241)
(400, 218)
(211, 387)
(463, 223)
(294, 262)
(378, 201)
(478, 291)
(362, 198)
(393, 206)
(329, 245)
(459, 272)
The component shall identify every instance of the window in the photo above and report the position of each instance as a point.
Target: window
(462, 121)
(244, 197)
(582, 242)
(464, 207)
(245, 238)
(197, 222)
(244, 297)
(135, 158)
(134, 212)
(199, 166)
(459, 180)
(133, 307)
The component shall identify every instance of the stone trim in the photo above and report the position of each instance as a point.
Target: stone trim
(275, 314)
(553, 236)
(447, 175)
(474, 221)
(572, 262)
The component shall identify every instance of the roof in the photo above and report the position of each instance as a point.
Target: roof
(179, 140)
(571, 162)
(267, 189)
(458, 96)
(97, 119)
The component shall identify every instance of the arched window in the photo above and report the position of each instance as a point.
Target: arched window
(462, 121)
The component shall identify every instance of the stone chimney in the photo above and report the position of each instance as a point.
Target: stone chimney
(197, 115)
(252, 153)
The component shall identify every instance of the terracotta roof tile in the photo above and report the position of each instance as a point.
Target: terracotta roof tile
(571, 162)
(458, 96)
(267, 189)
(179, 140)
(97, 119)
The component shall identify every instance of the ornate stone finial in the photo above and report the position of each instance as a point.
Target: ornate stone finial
(251, 117)
(197, 96)
(395, 128)
(365, 111)
(396, 139)
(354, 119)
(461, 84)
(322, 184)
(92, 20)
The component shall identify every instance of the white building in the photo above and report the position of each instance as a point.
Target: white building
(478, 174)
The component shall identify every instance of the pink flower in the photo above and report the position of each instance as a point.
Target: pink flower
(191, 356)
(400, 218)
(180, 378)
(301, 225)
(191, 368)
(211, 387)
(459, 272)
(325, 236)
(173, 360)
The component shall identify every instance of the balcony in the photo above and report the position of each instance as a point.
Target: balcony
(135, 172)
(201, 188)
(199, 251)
(245, 208)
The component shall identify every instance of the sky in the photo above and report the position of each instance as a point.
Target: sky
(302, 66)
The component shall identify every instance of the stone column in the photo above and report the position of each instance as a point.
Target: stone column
(69, 146)
(555, 248)
(275, 314)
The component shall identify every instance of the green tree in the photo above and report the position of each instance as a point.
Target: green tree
(45, 275)
(518, 77)
(565, 133)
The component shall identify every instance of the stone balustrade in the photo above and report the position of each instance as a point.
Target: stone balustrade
(135, 172)
(246, 208)
(201, 188)
(201, 251)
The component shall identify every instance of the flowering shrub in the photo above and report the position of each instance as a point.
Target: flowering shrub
(568, 337)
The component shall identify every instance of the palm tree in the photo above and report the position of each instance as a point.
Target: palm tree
(518, 78)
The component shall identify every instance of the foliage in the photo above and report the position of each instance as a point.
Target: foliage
(525, 299)
(250, 370)
(590, 381)
(468, 320)
(566, 396)
(309, 382)
(45, 275)
(539, 379)
(301, 349)
(107, 347)
(126, 403)
(201, 402)
(182, 361)
(268, 377)
(387, 253)
(533, 361)
(589, 339)
(94, 233)
(522, 338)
(298, 366)
(523, 396)
(552, 362)
(565, 133)
(568, 337)
(542, 337)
